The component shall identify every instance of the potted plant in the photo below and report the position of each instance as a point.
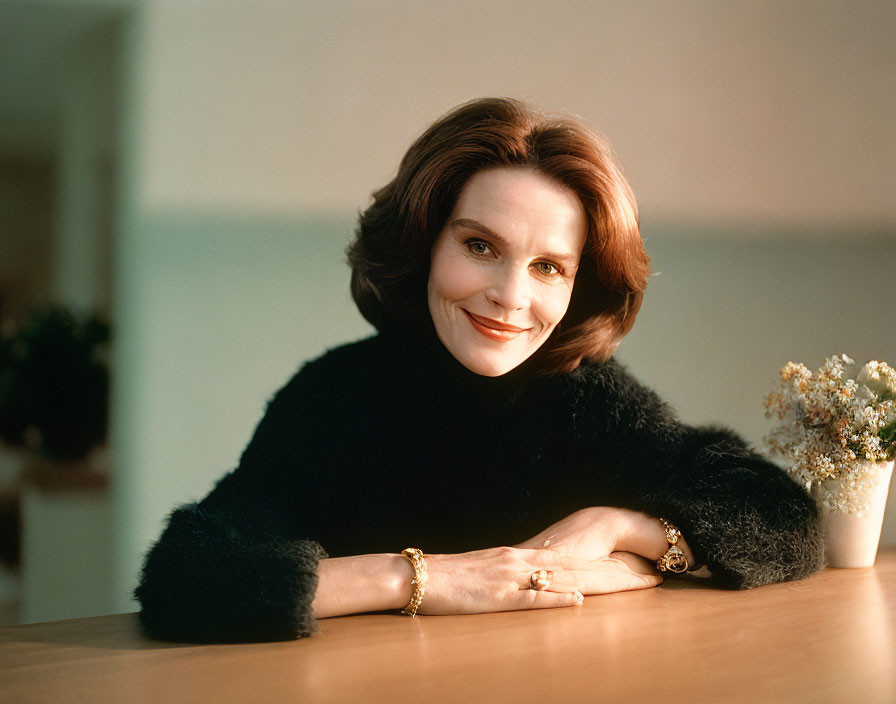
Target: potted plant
(839, 435)
(54, 385)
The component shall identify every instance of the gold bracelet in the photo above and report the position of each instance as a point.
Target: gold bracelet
(418, 582)
(674, 560)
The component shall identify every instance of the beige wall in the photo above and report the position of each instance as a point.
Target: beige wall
(771, 110)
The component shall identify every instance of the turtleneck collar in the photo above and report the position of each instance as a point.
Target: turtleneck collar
(429, 362)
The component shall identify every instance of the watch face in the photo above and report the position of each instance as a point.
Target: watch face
(678, 563)
(674, 561)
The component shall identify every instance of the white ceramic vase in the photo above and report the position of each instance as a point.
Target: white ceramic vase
(851, 541)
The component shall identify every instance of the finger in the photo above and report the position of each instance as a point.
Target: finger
(562, 564)
(533, 599)
(568, 586)
(613, 574)
(564, 582)
(636, 563)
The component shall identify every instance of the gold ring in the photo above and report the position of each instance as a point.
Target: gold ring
(540, 580)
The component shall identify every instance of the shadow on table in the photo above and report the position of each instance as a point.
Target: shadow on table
(113, 632)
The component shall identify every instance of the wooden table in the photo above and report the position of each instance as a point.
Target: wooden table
(829, 638)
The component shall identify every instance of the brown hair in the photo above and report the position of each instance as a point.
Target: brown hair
(391, 252)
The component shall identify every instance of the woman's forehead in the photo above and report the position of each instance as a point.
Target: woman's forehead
(510, 203)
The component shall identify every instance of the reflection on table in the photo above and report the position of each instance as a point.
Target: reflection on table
(829, 638)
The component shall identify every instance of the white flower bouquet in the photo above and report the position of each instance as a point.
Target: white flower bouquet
(833, 427)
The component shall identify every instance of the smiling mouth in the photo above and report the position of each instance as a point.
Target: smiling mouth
(494, 329)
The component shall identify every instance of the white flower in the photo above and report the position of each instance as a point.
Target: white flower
(829, 425)
(878, 377)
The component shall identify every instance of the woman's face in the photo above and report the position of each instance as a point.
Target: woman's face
(503, 266)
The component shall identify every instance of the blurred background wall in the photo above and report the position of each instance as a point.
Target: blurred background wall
(195, 170)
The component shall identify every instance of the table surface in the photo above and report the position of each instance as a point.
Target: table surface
(829, 638)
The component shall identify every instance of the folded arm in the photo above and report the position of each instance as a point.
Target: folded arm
(596, 532)
(741, 516)
(241, 564)
(215, 576)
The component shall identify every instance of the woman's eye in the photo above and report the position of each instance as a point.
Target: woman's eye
(546, 268)
(478, 247)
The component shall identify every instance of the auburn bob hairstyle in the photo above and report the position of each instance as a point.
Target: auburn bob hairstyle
(390, 255)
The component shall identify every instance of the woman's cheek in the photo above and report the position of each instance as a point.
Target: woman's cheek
(463, 279)
(554, 306)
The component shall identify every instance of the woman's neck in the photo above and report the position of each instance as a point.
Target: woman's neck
(427, 361)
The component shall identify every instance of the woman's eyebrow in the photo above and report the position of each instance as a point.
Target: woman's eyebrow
(566, 257)
(479, 227)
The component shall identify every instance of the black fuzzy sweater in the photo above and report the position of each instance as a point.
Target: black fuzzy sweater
(388, 443)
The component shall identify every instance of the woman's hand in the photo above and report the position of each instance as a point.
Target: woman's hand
(497, 579)
(591, 533)
(599, 531)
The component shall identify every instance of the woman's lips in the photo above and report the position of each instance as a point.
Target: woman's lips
(494, 329)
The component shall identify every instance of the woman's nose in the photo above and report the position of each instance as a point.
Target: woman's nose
(510, 289)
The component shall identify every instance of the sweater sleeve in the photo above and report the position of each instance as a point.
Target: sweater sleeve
(742, 516)
(239, 565)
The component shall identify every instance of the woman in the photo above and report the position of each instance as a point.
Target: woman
(501, 268)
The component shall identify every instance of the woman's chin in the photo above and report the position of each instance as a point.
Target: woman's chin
(489, 365)
(485, 357)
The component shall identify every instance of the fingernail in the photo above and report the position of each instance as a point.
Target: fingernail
(579, 597)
